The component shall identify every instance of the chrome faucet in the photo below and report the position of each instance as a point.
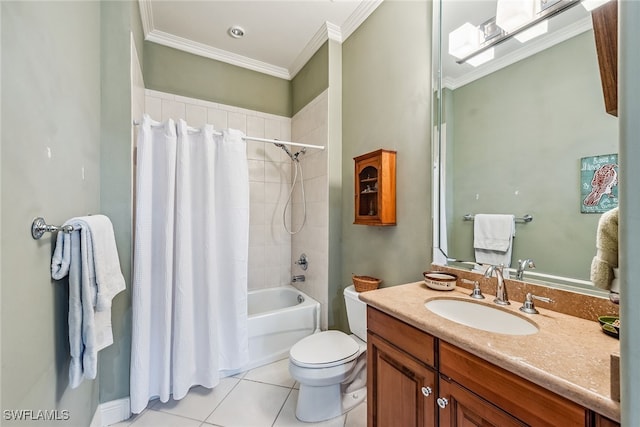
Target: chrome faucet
(298, 278)
(501, 289)
(522, 265)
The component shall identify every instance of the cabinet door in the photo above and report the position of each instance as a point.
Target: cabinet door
(400, 390)
(458, 407)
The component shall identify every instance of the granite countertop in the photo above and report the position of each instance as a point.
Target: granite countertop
(569, 355)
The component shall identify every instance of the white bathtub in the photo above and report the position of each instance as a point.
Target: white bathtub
(278, 318)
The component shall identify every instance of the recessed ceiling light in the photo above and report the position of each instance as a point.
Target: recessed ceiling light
(236, 32)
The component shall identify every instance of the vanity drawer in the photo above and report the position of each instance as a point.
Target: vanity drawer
(411, 340)
(524, 400)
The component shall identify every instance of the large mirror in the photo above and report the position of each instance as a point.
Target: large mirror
(519, 135)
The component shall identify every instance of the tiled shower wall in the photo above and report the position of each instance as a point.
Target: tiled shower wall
(269, 177)
(310, 126)
(272, 250)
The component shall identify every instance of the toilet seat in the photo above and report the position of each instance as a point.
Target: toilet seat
(324, 350)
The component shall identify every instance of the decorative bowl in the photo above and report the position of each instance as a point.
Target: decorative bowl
(610, 325)
(440, 280)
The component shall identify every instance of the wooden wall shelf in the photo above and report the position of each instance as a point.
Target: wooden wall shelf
(375, 188)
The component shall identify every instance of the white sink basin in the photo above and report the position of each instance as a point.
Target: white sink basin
(480, 316)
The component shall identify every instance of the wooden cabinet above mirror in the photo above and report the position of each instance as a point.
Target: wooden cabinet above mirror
(605, 30)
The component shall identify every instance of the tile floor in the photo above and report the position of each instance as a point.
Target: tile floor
(262, 397)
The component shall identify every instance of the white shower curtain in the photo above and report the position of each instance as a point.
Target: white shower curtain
(190, 259)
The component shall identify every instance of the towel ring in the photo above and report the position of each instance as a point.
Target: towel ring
(40, 226)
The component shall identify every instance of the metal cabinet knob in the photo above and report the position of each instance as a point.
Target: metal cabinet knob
(442, 402)
(426, 391)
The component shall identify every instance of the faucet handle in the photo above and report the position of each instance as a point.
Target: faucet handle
(476, 293)
(529, 307)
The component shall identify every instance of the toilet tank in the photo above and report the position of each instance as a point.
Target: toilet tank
(356, 313)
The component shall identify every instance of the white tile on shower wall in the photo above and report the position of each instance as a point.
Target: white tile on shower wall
(256, 213)
(272, 255)
(257, 235)
(316, 189)
(315, 165)
(277, 172)
(276, 192)
(256, 170)
(256, 277)
(255, 126)
(196, 115)
(256, 150)
(275, 230)
(153, 107)
(217, 118)
(173, 110)
(256, 192)
(285, 130)
(317, 214)
(274, 153)
(272, 129)
(237, 121)
(256, 257)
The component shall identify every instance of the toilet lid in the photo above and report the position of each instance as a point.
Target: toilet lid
(324, 349)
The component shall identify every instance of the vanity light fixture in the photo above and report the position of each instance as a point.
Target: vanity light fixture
(520, 19)
(464, 40)
(593, 4)
(482, 57)
(513, 14)
(533, 32)
(236, 32)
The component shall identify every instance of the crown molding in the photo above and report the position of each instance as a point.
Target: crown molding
(328, 31)
(531, 48)
(358, 16)
(207, 51)
(325, 32)
(146, 16)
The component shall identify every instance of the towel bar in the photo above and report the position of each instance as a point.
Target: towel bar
(40, 226)
(525, 218)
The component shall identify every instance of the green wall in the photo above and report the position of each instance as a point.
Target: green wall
(118, 19)
(336, 314)
(531, 123)
(51, 103)
(312, 79)
(181, 73)
(387, 104)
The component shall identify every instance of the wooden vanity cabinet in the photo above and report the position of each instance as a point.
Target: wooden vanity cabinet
(414, 379)
(375, 188)
(401, 377)
(507, 393)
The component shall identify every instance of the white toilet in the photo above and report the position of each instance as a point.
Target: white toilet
(331, 366)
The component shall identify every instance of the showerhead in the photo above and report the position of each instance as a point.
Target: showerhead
(293, 157)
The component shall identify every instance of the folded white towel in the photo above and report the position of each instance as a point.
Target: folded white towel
(492, 238)
(89, 256)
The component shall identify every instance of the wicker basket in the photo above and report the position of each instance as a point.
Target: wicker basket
(365, 283)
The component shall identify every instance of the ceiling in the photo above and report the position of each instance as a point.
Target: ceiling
(280, 36)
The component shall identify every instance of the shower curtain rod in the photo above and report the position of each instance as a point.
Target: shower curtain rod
(270, 141)
(277, 141)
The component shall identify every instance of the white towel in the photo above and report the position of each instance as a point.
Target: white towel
(89, 256)
(493, 237)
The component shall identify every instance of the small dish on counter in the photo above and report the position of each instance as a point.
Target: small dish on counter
(440, 280)
(610, 325)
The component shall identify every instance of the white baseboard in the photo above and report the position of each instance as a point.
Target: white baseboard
(111, 412)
